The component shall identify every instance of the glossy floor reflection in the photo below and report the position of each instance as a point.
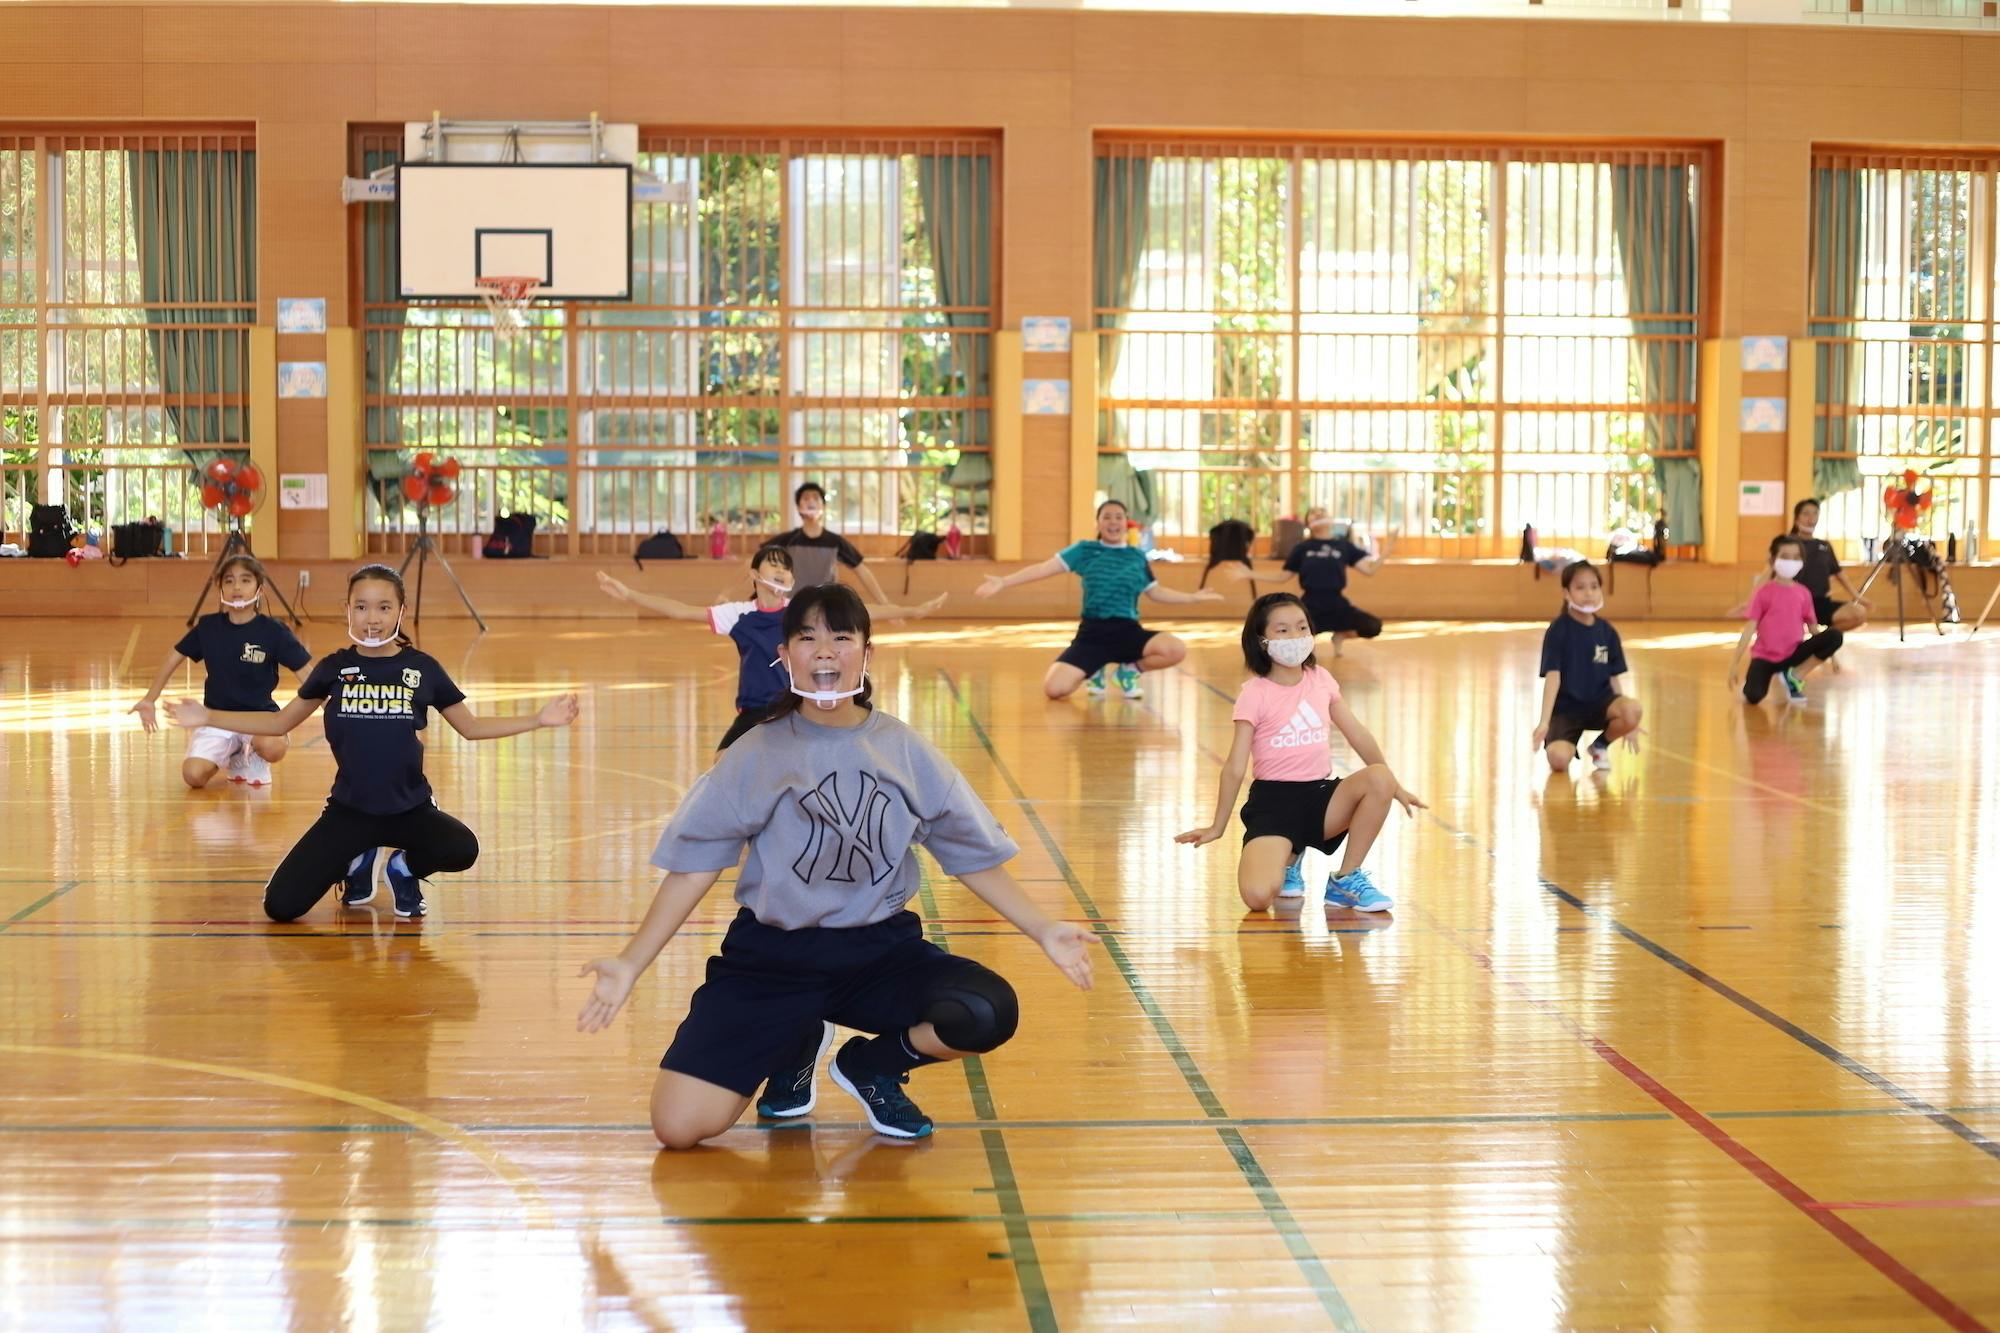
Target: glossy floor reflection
(1713, 1040)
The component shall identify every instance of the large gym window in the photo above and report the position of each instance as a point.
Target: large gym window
(1448, 343)
(128, 285)
(1902, 303)
(803, 309)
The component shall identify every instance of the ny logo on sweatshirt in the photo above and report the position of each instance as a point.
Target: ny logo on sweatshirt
(849, 842)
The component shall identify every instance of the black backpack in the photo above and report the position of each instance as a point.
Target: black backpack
(513, 538)
(49, 532)
(134, 541)
(659, 546)
(920, 546)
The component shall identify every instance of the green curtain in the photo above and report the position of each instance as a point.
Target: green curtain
(382, 332)
(195, 232)
(956, 195)
(1837, 203)
(1653, 223)
(1128, 485)
(1121, 212)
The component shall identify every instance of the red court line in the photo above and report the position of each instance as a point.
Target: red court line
(1782, 1185)
(1989, 1201)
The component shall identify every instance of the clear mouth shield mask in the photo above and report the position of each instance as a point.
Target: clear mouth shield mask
(244, 605)
(377, 643)
(824, 698)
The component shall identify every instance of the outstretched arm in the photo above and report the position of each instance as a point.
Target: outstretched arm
(1235, 573)
(191, 715)
(665, 606)
(1231, 782)
(679, 892)
(1736, 658)
(1551, 685)
(885, 611)
(869, 587)
(1066, 944)
(557, 712)
(1048, 569)
(1372, 562)
(1160, 592)
(144, 708)
(1369, 752)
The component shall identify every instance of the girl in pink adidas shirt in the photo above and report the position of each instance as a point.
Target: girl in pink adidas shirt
(1285, 718)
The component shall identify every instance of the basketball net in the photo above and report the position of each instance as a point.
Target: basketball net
(507, 301)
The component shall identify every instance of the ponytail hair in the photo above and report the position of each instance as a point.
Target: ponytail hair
(371, 573)
(842, 611)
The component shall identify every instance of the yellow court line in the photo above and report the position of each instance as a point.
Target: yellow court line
(131, 646)
(1822, 806)
(532, 1203)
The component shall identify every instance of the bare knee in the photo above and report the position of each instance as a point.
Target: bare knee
(270, 748)
(1058, 689)
(1258, 893)
(1376, 780)
(1560, 753)
(1164, 651)
(679, 1128)
(197, 772)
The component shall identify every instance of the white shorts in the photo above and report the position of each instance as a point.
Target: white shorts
(216, 745)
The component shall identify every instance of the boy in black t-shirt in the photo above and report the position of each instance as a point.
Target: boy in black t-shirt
(1583, 665)
(813, 534)
(243, 649)
(1319, 565)
(378, 695)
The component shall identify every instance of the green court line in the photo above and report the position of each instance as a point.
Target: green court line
(1251, 1122)
(1281, 1219)
(38, 905)
(1006, 1189)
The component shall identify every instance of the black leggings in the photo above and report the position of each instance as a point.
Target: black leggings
(1757, 681)
(430, 839)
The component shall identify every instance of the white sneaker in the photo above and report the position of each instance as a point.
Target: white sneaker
(249, 768)
(1600, 758)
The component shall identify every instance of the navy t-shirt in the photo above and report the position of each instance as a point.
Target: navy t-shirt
(1821, 564)
(375, 706)
(242, 660)
(1321, 564)
(1588, 657)
(759, 636)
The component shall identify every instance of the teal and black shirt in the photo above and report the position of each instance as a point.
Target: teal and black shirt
(1113, 577)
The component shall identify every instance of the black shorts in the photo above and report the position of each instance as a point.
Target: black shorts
(769, 988)
(1100, 643)
(1293, 810)
(1343, 617)
(1824, 609)
(1568, 728)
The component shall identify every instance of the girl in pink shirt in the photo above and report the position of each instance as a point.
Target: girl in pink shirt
(1781, 615)
(1285, 718)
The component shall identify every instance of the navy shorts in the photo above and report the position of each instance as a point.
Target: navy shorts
(1292, 810)
(1342, 617)
(769, 989)
(1568, 728)
(1100, 643)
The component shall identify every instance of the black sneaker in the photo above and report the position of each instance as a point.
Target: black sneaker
(409, 890)
(793, 1090)
(358, 889)
(881, 1096)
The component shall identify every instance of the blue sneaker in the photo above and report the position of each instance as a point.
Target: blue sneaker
(1128, 681)
(794, 1090)
(1356, 890)
(1295, 881)
(358, 889)
(881, 1096)
(1794, 687)
(408, 889)
(1095, 683)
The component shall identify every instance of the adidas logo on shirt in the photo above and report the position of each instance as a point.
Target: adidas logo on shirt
(1305, 727)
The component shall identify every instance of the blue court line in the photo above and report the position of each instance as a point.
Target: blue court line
(1468, 1121)
(1021, 1251)
(1819, 1046)
(1296, 1243)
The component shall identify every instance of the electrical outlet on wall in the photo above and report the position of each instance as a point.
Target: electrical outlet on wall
(305, 578)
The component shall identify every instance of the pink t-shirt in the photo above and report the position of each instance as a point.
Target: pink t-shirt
(1782, 611)
(1291, 726)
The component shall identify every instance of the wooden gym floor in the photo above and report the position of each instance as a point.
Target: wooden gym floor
(1711, 1042)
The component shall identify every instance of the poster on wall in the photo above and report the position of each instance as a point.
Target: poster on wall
(1761, 416)
(302, 490)
(302, 379)
(1764, 352)
(1045, 398)
(1761, 499)
(301, 314)
(1045, 333)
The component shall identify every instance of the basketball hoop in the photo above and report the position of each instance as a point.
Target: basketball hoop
(507, 301)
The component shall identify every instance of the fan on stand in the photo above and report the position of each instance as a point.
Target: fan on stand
(234, 491)
(430, 482)
(1903, 549)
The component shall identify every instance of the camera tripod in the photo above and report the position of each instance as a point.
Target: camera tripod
(1898, 554)
(238, 543)
(423, 552)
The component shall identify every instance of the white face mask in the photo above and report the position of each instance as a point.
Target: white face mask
(1589, 608)
(377, 643)
(1289, 652)
(238, 606)
(824, 698)
(1788, 569)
